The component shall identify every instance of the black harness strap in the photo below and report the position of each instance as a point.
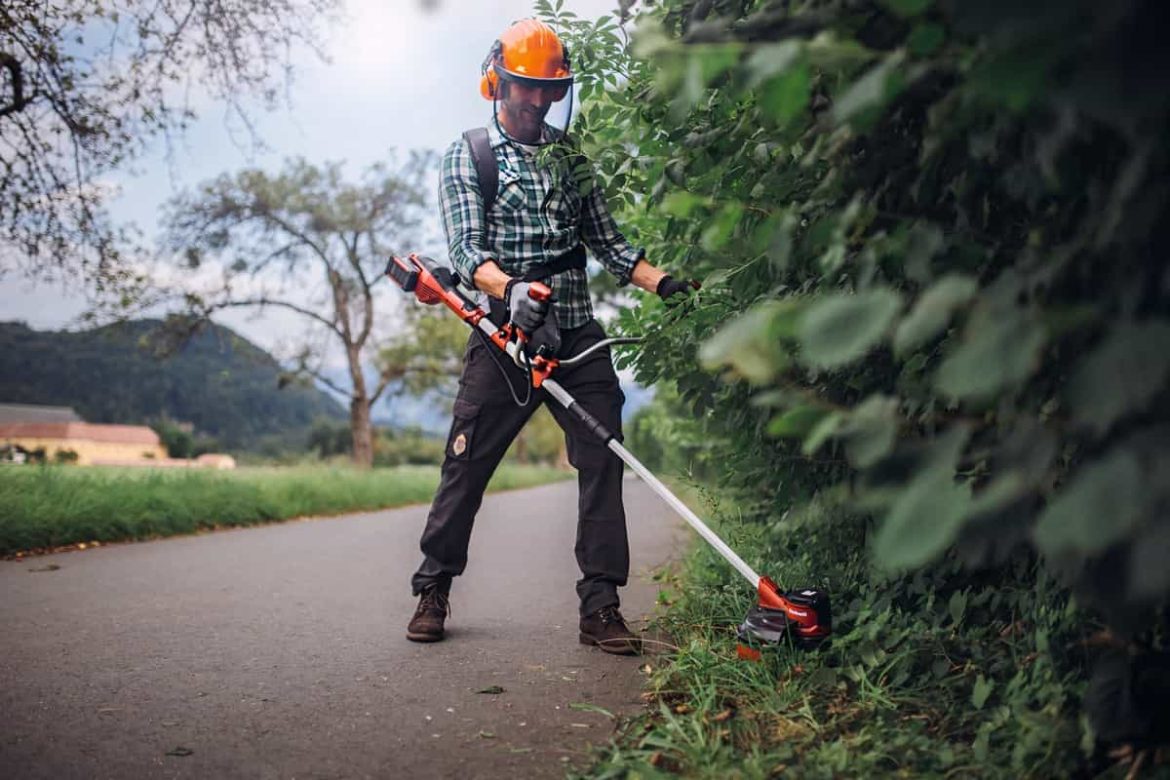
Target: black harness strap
(486, 168)
(574, 258)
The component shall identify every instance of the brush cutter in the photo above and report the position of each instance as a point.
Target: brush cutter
(801, 615)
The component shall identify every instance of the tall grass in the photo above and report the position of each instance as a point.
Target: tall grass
(979, 682)
(52, 506)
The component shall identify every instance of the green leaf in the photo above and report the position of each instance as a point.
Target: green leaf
(922, 243)
(681, 203)
(771, 60)
(933, 311)
(796, 422)
(650, 39)
(839, 328)
(773, 237)
(926, 515)
(746, 346)
(923, 522)
(870, 430)
(822, 432)
(869, 91)
(981, 692)
(1001, 348)
(716, 59)
(785, 96)
(1000, 492)
(907, 7)
(721, 228)
(957, 606)
(693, 84)
(1103, 503)
(925, 39)
(1122, 375)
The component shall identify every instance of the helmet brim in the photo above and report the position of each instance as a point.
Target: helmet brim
(532, 81)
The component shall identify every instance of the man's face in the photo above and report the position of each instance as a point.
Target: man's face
(523, 109)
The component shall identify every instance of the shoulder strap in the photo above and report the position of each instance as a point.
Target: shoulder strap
(486, 167)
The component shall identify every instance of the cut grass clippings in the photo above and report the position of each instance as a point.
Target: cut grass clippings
(45, 507)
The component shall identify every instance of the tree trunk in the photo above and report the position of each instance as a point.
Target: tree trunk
(359, 411)
(363, 432)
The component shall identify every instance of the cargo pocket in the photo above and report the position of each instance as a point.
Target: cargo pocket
(462, 437)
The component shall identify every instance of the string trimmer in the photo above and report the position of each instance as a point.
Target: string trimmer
(803, 615)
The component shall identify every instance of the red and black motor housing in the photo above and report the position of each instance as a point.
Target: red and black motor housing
(805, 619)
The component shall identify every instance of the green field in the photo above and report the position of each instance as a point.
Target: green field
(53, 506)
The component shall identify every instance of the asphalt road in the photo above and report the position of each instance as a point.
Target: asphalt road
(280, 651)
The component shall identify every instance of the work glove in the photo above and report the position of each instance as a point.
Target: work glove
(668, 287)
(525, 313)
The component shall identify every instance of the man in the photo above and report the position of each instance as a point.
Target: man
(536, 226)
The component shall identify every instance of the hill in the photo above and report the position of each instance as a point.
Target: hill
(218, 381)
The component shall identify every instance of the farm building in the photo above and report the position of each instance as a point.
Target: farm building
(92, 443)
(58, 434)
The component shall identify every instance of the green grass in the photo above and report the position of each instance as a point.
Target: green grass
(982, 680)
(53, 506)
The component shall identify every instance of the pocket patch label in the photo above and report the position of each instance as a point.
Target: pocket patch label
(459, 446)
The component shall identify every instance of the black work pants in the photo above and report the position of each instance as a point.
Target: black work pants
(487, 420)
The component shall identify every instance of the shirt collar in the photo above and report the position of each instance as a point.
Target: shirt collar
(498, 139)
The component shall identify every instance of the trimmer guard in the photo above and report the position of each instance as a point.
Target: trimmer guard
(766, 627)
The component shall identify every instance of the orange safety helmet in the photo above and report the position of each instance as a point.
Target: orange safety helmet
(528, 52)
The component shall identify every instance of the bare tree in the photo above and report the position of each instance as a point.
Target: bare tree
(86, 84)
(308, 242)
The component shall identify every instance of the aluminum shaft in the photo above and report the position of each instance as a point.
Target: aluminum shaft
(566, 400)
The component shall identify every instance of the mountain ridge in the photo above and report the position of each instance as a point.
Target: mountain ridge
(132, 372)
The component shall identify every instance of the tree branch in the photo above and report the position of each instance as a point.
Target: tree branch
(389, 376)
(323, 379)
(262, 302)
(367, 296)
(16, 76)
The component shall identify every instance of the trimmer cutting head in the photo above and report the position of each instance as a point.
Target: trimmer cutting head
(802, 617)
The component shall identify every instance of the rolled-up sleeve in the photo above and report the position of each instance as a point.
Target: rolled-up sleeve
(461, 205)
(601, 235)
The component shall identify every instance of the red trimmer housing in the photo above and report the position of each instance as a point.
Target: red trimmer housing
(802, 617)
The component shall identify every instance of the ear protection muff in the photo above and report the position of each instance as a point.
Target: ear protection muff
(489, 82)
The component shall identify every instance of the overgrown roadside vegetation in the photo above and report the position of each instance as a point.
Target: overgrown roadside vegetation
(920, 680)
(927, 371)
(52, 506)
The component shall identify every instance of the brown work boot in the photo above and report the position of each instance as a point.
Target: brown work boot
(427, 623)
(606, 629)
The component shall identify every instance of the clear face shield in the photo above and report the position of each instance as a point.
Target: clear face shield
(550, 93)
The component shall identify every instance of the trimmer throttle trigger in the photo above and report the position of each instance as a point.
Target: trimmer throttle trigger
(539, 292)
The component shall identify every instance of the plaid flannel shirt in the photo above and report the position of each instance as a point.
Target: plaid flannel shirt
(539, 214)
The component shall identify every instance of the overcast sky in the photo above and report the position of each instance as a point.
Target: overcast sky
(399, 77)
